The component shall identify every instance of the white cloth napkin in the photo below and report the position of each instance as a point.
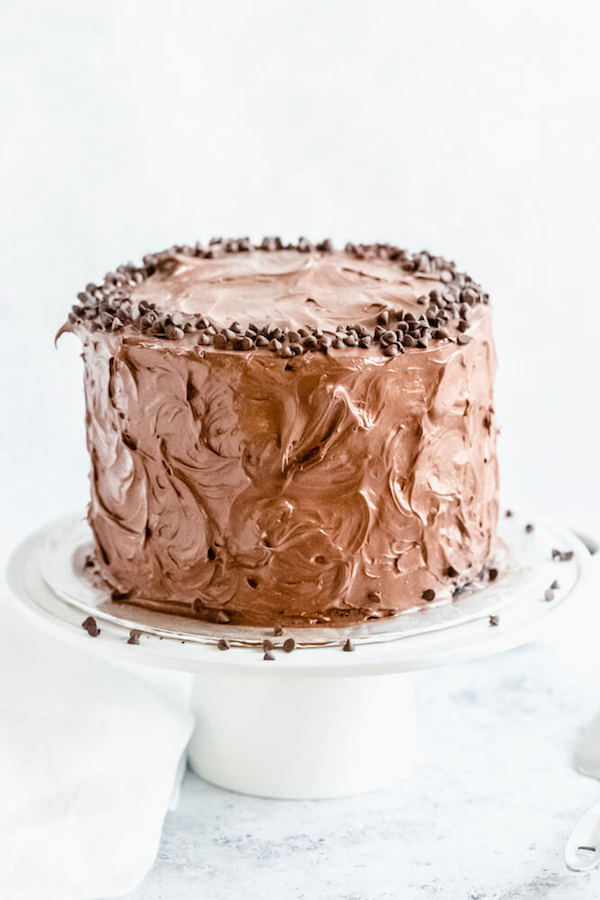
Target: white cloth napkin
(91, 755)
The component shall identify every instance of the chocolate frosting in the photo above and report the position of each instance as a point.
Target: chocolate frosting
(289, 289)
(239, 486)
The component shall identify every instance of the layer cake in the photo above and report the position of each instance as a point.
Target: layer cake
(289, 433)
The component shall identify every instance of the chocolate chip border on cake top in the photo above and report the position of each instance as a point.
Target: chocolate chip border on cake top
(109, 307)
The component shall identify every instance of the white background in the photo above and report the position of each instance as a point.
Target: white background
(468, 128)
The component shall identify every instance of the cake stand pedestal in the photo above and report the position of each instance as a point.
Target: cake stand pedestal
(318, 722)
(306, 737)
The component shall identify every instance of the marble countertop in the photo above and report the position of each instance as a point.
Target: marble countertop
(486, 817)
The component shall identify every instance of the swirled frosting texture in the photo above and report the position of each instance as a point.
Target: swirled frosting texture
(288, 288)
(243, 487)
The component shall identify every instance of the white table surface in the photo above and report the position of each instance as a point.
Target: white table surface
(485, 819)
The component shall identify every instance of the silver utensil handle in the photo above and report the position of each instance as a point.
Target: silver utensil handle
(582, 852)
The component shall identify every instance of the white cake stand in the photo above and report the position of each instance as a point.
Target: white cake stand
(317, 722)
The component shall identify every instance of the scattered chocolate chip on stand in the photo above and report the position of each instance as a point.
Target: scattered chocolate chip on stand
(91, 626)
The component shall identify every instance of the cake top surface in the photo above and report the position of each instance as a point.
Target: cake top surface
(288, 298)
(288, 288)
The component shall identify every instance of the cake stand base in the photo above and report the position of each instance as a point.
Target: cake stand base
(303, 738)
(318, 722)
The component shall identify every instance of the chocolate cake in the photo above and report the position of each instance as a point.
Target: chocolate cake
(289, 433)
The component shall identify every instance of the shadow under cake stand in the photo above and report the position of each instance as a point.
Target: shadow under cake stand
(319, 721)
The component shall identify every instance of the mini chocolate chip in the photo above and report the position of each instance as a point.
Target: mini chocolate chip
(374, 596)
(223, 617)
(494, 620)
(428, 595)
(348, 646)
(451, 572)
(222, 644)
(289, 644)
(119, 596)
(129, 441)
(549, 595)
(220, 341)
(134, 636)
(390, 350)
(509, 513)
(493, 574)
(555, 585)
(268, 645)
(278, 630)
(529, 528)
(464, 339)
(384, 317)
(174, 332)
(268, 656)
(91, 626)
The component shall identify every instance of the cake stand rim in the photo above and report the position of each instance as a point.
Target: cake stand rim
(24, 579)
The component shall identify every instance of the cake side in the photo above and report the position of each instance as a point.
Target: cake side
(345, 481)
(253, 490)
